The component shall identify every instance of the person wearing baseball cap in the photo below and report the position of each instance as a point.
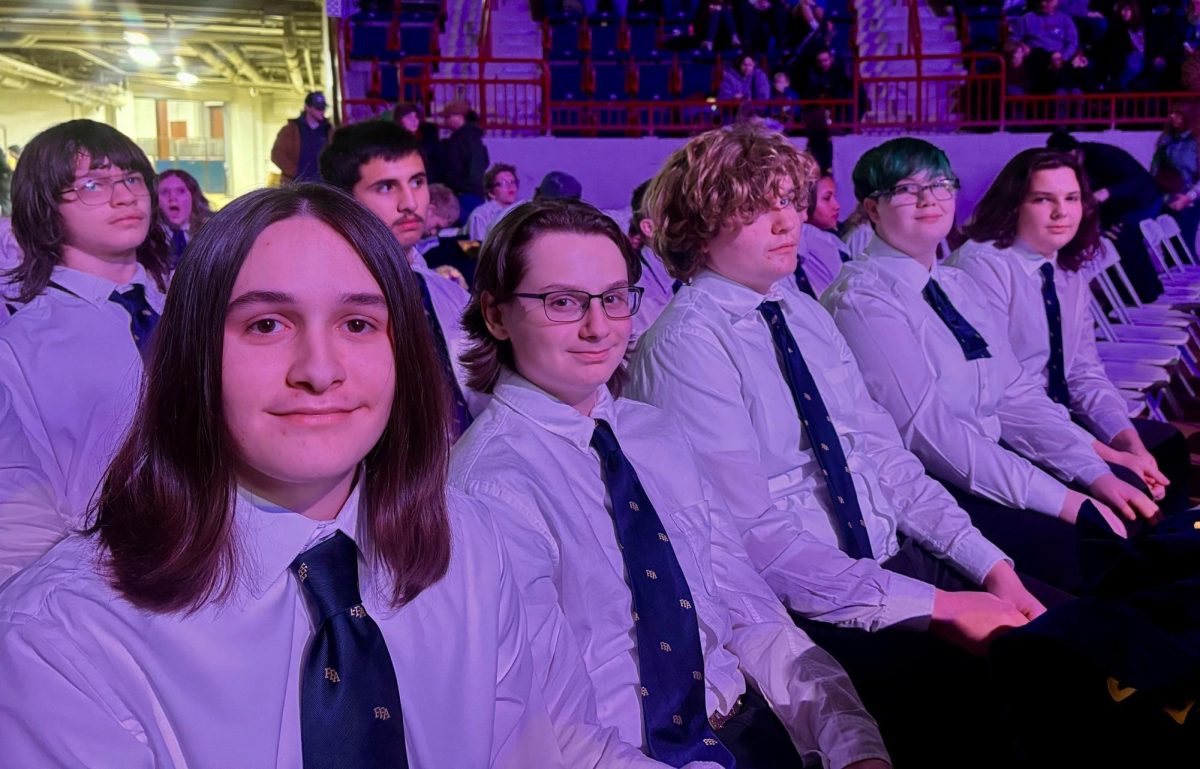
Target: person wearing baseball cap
(300, 141)
(558, 184)
(463, 157)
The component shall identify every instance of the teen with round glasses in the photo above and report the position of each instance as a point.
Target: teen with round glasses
(1032, 237)
(937, 357)
(675, 642)
(87, 297)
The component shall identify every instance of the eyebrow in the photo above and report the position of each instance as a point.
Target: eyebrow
(363, 299)
(563, 287)
(394, 180)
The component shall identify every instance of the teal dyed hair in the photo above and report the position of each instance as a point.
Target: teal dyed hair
(882, 167)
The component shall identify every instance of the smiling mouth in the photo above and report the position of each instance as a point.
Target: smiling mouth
(314, 416)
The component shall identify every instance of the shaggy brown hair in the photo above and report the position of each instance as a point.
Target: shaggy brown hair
(722, 178)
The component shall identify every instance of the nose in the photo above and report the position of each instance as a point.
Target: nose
(406, 200)
(787, 219)
(316, 363)
(121, 194)
(594, 324)
(925, 196)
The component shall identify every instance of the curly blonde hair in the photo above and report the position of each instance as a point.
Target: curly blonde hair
(721, 178)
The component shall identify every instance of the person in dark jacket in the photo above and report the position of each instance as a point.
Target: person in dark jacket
(464, 158)
(1127, 194)
(299, 143)
(409, 116)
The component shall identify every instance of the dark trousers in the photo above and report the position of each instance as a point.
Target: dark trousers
(1169, 449)
(1135, 258)
(936, 704)
(756, 737)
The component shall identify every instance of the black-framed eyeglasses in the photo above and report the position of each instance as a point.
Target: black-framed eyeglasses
(98, 191)
(908, 194)
(569, 306)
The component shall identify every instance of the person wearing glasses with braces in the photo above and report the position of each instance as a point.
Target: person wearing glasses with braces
(671, 639)
(936, 355)
(86, 299)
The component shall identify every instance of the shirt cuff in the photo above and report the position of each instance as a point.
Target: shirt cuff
(847, 738)
(1088, 474)
(1107, 424)
(975, 557)
(1046, 495)
(908, 603)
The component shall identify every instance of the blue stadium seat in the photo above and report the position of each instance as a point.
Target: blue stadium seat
(416, 39)
(566, 81)
(389, 86)
(984, 32)
(696, 77)
(369, 40)
(653, 80)
(643, 36)
(610, 81)
(564, 39)
(606, 38)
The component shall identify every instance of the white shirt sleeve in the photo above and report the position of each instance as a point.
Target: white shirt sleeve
(1094, 398)
(693, 381)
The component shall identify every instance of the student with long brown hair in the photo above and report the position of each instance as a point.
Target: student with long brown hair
(1032, 236)
(86, 296)
(275, 574)
(183, 207)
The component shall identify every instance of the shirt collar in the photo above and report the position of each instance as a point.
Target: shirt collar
(551, 414)
(93, 288)
(1031, 261)
(737, 300)
(270, 537)
(898, 265)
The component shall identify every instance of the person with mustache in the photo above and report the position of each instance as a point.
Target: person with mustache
(875, 559)
(85, 300)
(936, 355)
(381, 166)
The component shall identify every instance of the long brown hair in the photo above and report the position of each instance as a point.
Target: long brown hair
(201, 211)
(165, 513)
(502, 265)
(47, 167)
(997, 214)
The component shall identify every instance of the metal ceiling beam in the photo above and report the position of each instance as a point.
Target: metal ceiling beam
(33, 72)
(234, 57)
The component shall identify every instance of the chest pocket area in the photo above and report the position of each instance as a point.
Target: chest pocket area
(691, 538)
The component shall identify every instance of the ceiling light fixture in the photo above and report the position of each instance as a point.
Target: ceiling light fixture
(144, 56)
(187, 78)
(137, 38)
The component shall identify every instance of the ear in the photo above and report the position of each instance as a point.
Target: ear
(871, 209)
(493, 316)
(647, 228)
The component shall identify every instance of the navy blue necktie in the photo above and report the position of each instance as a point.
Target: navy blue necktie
(821, 434)
(1056, 384)
(843, 254)
(675, 286)
(802, 280)
(972, 343)
(462, 415)
(142, 317)
(349, 703)
(178, 243)
(670, 659)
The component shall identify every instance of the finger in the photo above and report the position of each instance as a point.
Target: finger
(1116, 525)
(1157, 475)
(1144, 505)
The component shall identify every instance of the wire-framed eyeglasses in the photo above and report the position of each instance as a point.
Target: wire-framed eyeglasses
(96, 191)
(908, 194)
(568, 306)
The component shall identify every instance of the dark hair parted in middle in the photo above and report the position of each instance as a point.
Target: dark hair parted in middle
(355, 145)
(721, 178)
(166, 506)
(999, 210)
(502, 265)
(47, 168)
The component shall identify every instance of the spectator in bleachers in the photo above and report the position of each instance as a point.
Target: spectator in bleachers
(657, 284)
(1056, 62)
(719, 20)
(558, 184)
(182, 208)
(502, 187)
(821, 251)
(743, 80)
(1187, 51)
(1127, 51)
(823, 77)
(88, 294)
(441, 248)
(409, 116)
(274, 572)
(1176, 169)
(380, 164)
(764, 25)
(1091, 24)
(939, 361)
(1127, 194)
(687, 654)
(464, 156)
(299, 143)
(1032, 236)
(781, 90)
(1016, 55)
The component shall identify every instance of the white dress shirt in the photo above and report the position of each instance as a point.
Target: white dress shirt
(449, 301)
(711, 362)
(10, 250)
(529, 458)
(92, 680)
(953, 412)
(1010, 279)
(31, 520)
(820, 253)
(858, 238)
(657, 294)
(74, 372)
(483, 216)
